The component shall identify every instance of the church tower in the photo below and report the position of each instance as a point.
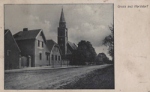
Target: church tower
(62, 34)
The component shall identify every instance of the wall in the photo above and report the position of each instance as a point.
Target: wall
(12, 60)
(43, 50)
(56, 52)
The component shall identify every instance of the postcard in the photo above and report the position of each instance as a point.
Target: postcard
(75, 46)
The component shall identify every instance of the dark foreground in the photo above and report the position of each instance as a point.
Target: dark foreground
(98, 79)
(89, 77)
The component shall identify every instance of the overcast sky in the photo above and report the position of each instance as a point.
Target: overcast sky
(84, 22)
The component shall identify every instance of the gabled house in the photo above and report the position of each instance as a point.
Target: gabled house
(11, 51)
(32, 44)
(55, 53)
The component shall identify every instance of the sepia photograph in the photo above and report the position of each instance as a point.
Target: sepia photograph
(59, 46)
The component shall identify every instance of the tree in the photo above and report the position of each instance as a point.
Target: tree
(101, 59)
(85, 53)
(109, 41)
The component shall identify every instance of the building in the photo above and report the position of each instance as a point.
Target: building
(55, 53)
(11, 51)
(66, 47)
(34, 51)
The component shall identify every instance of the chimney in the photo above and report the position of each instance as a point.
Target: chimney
(25, 29)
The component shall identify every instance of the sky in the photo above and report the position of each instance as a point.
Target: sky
(88, 22)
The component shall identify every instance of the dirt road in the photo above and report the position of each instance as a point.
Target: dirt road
(47, 79)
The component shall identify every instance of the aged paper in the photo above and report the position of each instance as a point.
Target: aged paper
(131, 43)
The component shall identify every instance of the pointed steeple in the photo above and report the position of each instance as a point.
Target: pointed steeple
(62, 18)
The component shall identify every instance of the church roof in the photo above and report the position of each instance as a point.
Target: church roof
(62, 18)
(72, 45)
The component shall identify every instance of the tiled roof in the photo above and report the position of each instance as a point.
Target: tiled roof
(72, 45)
(30, 34)
(50, 44)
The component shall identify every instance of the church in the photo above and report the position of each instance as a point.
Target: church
(66, 46)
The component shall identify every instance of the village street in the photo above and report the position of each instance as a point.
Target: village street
(47, 78)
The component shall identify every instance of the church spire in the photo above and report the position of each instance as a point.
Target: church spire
(62, 18)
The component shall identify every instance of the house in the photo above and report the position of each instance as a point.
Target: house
(11, 51)
(55, 53)
(34, 51)
(66, 46)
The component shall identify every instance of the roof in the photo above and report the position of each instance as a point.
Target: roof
(50, 44)
(72, 45)
(30, 34)
(62, 18)
(8, 31)
(5, 31)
